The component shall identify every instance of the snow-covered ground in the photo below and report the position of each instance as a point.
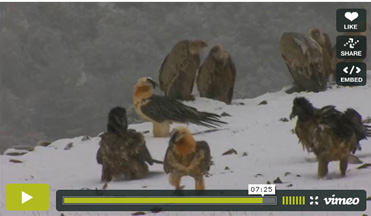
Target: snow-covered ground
(271, 147)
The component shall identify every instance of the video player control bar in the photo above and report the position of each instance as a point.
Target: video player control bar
(210, 200)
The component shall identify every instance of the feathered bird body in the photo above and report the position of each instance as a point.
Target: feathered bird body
(330, 134)
(186, 157)
(306, 121)
(303, 57)
(362, 131)
(334, 139)
(162, 110)
(123, 153)
(216, 76)
(326, 46)
(123, 156)
(178, 70)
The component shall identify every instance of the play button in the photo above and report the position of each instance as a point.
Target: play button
(25, 197)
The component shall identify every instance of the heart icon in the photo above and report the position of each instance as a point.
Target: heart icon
(351, 16)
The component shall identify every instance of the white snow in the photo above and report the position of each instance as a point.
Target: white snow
(272, 149)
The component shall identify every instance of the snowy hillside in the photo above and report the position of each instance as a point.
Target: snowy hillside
(266, 149)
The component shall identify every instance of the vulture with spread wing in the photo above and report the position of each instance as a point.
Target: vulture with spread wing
(330, 134)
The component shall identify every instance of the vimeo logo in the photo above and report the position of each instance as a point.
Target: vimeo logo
(333, 200)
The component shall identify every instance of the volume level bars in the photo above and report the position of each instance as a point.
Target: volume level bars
(293, 200)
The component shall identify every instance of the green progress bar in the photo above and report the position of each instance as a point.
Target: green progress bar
(162, 200)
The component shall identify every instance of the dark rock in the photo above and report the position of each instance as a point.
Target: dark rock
(230, 151)
(68, 146)
(245, 154)
(85, 138)
(277, 181)
(139, 213)
(264, 102)
(26, 148)
(224, 114)
(43, 143)
(15, 161)
(15, 153)
(284, 120)
(226, 168)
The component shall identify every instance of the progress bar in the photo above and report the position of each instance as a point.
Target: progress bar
(169, 200)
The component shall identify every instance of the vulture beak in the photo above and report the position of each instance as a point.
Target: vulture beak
(292, 115)
(153, 83)
(173, 136)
